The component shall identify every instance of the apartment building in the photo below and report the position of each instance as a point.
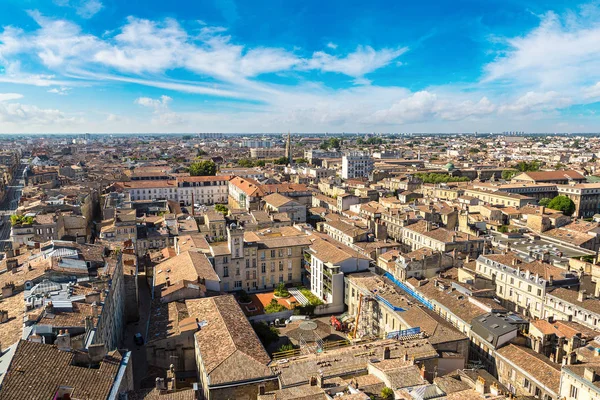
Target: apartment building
(500, 198)
(357, 165)
(277, 203)
(527, 373)
(523, 286)
(586, 197)
(580, 382)
(245, 193)
(259, 260)
(266, 152)
(571, 305)
(425, 234)
(559, 177)
(326, 264)
(346, 233)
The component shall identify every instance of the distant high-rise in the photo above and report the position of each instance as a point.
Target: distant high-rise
(288, 149)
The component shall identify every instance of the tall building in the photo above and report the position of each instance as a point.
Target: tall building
(288, 149)
(356, 165)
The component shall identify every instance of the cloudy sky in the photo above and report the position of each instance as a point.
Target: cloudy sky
(302, 66)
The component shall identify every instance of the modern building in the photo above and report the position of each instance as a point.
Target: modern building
(356, 165)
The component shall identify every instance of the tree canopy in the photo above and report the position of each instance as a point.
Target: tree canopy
(221, 208)
(203, 168)
(562, 203)
(331, 143)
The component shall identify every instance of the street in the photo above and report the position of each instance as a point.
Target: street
(138, 353)
(9, 205)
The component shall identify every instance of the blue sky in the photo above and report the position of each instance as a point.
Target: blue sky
(310, 66)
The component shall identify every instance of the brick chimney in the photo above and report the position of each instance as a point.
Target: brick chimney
(63, 341)
(494, 389)
(96, 352)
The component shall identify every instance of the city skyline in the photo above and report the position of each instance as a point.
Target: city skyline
(100, 66)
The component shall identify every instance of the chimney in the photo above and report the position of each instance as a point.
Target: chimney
(12, 265)
(597, 289)
(63, 341)
(92, 298)
(160, 384)
(8, 290)
(386, 353)
(261, 390)
(95, 310)
(49, 307)
(589, 374)
(494, 389)
(542, 210)
(3, 316)
(480, 385)
(423, 371)
(581, 296)
(172, 384)
(320, 380)
(313, 381)
(36, 339)
(405, 356)
(551, 280)
(96, 352)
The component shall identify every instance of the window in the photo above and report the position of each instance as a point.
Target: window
(237, 284)
(289, 251)
(526, 383)
(290, 276)
(247, 263)
(573, 392)
(263, 267)
(272, 253)
(225, 271)
(225, 260)
(281, 265)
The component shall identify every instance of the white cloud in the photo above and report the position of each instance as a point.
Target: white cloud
(157, 104)
(10, 96)
(28, 116)
(84, 8)
(61, 91)
(332, 45)
(592, 92)
(534, 102)
(561, 52)
(357, 64)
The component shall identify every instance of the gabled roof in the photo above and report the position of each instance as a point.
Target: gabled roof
(38, 370)
(228, 346)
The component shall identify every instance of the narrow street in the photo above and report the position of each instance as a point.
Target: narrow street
(9, 205)
(138, 353)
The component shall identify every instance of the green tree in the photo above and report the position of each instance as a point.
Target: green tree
(544, 201)
(266, 334)
(203, 168)
(508, 174)
(259, 163)
(301, 161)
(331, 143)
(286, 347)
(222, 208)
(387, 393)
(281, 161)
(503, 229)
(360, 141)
(562, 203)
(246, 163)
(201, 153)
(274, 307)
